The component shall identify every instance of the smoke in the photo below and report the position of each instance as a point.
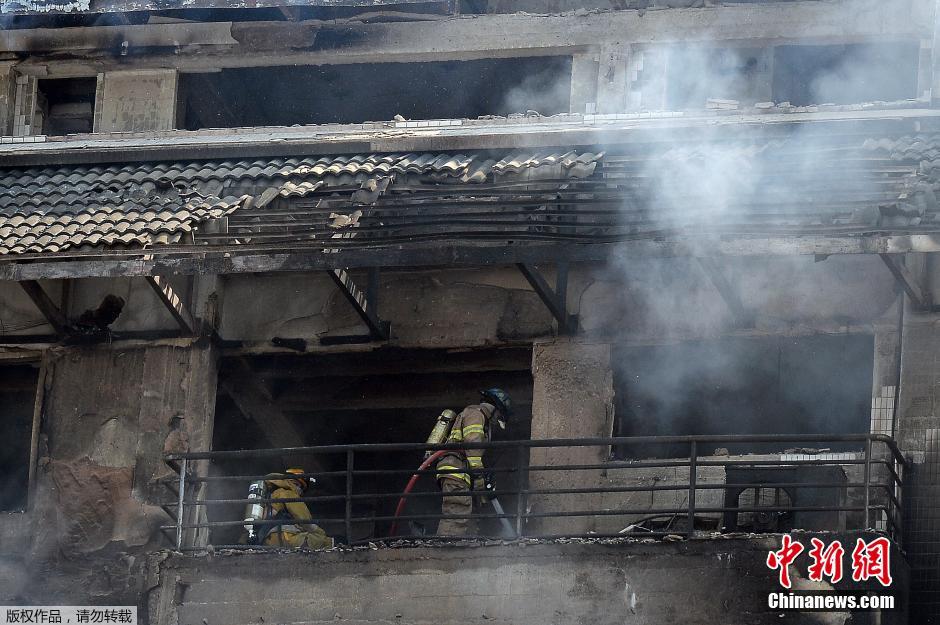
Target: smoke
(546, 92)
(717, 188)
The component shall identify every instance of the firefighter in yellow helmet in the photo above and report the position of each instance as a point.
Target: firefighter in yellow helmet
(472, 425)
(297, 531)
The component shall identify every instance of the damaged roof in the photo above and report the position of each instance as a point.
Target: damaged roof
(797, 185)
(50, 210)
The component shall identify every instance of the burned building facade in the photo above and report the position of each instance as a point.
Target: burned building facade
(693, 241)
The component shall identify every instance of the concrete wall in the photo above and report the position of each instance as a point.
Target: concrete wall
(108, 415)
(642, 300)
(138, 100)
(701, 581)
(7, 94)
(473, 307)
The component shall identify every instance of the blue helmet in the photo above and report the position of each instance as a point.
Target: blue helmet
(499, 398)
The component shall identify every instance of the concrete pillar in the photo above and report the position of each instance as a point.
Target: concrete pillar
(919, 407)
(918, 434)
(572, 397)
(935, 58)
(136, 101)
(7, 96)
(584, 84)
(884, 380)
(925, 69)
(109, 414)
(599, 81)
(25, 120)
(612, 79)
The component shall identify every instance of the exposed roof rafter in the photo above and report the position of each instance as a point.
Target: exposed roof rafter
(46, 306)
(364, 302)
(176, 307)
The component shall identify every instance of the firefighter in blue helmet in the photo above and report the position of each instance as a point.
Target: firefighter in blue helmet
(472, 425)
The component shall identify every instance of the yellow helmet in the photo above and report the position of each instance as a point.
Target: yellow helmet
(303, 480)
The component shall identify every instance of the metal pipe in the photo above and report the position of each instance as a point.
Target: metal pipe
(349, 492)
(543, 492)
(867, 480)
(180, 508)
(693, 478)
(645, 512)
(522, 461)
(558, 442)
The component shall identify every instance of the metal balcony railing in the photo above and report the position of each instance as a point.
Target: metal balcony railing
(559, 488)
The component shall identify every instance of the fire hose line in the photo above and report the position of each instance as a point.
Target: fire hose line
(411, 484)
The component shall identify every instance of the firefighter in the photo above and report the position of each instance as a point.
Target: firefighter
(472, 425)
(297, 531)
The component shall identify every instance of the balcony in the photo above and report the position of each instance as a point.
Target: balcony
(559, 488)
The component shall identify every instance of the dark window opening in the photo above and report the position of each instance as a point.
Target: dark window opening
(387, 396)
(18, 385)
(767, 497)
(67, 105)
(283, 96)
(845, 74)
(805, 385)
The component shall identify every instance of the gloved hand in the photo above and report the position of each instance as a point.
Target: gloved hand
(479, 484)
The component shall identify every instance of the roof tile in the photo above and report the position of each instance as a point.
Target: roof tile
(60, 208)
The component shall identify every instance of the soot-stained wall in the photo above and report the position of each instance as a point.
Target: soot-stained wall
(699, 581)
(107, 416)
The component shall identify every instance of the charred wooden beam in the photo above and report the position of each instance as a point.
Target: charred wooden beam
(554, 299)
(253, 399)
(365, 302)
(173, 304)
(743, 317)
(46, 306)
(920, 297)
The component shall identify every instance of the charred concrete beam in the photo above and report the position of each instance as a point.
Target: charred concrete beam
(386, 361)
(168, 297)
(365, 302)
(46, 306)
(556, 300)
(743, 318)
(122, 6)
(467, 255)
(567, 131)
(38, 40)
(919, 296)
(497, 35)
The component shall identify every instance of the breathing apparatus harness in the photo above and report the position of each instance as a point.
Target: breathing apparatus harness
(257, 511)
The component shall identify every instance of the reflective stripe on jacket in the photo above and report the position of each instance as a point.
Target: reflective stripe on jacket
(470, 426)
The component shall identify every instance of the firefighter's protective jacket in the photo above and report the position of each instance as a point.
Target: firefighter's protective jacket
(295, 510)
(470, 426)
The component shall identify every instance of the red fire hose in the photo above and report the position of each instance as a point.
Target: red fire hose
(411, 484)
